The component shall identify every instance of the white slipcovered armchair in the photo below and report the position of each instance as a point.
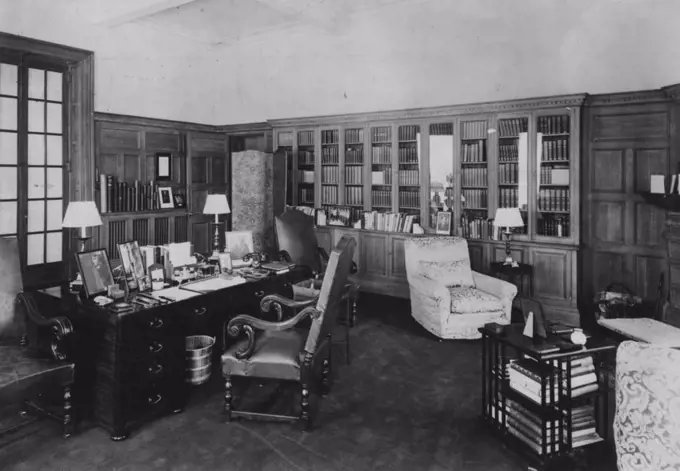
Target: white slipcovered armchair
(447, 297)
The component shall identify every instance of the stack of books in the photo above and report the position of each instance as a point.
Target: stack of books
(528, 427)
(583, 426)
(583, 375)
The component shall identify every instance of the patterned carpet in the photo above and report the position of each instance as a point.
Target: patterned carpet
(407, 402)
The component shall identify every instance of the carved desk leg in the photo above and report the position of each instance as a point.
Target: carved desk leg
(68, 420)
(227, 398)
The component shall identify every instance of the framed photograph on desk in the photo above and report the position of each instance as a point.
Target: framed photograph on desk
(133, 266)
(165, 200)
(239, 244)
(443, 223)
(95, 270)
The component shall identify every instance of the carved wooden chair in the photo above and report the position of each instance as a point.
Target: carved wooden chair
(280, 351)
(33, 348)
(298, 244)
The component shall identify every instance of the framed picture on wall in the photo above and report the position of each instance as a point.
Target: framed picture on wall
(163, 166)
(165, 199)
(443, 223)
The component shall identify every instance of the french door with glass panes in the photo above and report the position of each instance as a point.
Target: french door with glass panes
(33, 178)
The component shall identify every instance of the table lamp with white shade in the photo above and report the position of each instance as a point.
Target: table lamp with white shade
(216, 204)
(81, 215)
(508, 218)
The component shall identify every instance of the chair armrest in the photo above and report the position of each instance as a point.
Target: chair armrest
(278, 301)
(247, 324)
(60, 328)
(502, 289)
(429, 295)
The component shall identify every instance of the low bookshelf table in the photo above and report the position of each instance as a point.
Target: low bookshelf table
(544, 400)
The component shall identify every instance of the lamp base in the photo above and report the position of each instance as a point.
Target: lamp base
(508, 256)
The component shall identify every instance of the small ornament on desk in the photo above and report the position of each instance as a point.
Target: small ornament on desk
(534, 327)
(225, 263)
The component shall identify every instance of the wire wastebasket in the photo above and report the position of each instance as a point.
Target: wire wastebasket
(199, 358)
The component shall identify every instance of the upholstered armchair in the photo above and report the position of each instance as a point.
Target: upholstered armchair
(447, 297)
(33, 348)
(283, 351)
(647, 418)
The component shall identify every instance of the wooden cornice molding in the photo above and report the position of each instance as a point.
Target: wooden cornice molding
(66, 54)
(153, 122)
(626, 98)
(566, 101)
(672, 91)
(248, 128)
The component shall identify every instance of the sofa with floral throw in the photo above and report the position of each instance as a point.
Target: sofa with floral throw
(647, 418)
(447, 297)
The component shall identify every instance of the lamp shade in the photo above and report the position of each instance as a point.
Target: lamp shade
(81, 214)
(216, 204)
(508, 217)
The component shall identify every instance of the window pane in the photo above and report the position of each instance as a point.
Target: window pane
(54, 118)
(54, 150)
(8, 217)
(35, 251)
(54, 85)
(8, 114)
(36, 116)
(8, 79)
(55, 182)
(55, 212)
(36, 216)
(36, 149)
(36, 183)
(54, 247)
(8, 183)
(36, 84)
(8, 147)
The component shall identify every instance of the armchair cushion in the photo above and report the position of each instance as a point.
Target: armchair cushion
(473, 300)
(276, 355)
(20, 366)
(442, 259)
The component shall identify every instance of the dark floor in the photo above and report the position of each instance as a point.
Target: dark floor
(407, 402)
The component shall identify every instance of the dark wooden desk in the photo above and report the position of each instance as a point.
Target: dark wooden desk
(130, 367)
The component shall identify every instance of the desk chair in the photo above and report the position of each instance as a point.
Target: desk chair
(280, 351)
(33, 348)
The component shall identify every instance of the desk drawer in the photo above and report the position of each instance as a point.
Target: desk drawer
(152, 368)
(143, 400)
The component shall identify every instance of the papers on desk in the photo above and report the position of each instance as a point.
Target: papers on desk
(212, 284)
(174, 293)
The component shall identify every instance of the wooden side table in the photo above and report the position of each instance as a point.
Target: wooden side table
(515, 274)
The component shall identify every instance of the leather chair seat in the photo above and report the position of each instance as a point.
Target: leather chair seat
(21, 366)
(276, 355)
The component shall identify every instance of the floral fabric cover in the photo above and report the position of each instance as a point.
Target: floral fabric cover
(647, 419)
(445, 260)
(471, 300)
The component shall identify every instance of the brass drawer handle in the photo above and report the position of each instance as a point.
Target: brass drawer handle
(155, 347)
(155, 400)
(156, 323)
(199, 311)
(259, 294)
(156, 369)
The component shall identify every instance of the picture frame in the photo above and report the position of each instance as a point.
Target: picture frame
(443, 223)
(133, 266)
(239, 244)
(165, 200)
(163, 166)
(95, 270)
(179, 200)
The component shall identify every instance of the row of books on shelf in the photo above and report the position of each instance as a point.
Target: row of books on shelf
(381, 177)
(330, 155)
(508, 173)
(509, 198)
(474, 129)
(382, 198)
(305, 176)
(306, 138)
(121, 196)
(512, 127)
(329, 194)
(553, 124)
(408, 154)
(331, 174)
(508, 152)
(306, 195)
(381, 134)
(354, 195)
(474, 152)
(475, 199)
(409, 199)
(474, 176)
(555, 149)
(354, 155)
(390, 222)
(381, 155)
(409, 177)
(552, 225)
(553, 199)
(550, 175)
(409, 133)
(330, 136)
(305, 157)
(354, 175)
(354, 136)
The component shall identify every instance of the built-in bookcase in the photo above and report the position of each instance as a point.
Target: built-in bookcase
(330, 166)
(306, 167)
(285, 143)
(381, 168)
(474, 178)
(354, 167)
(553, 168)
(513, 167)
(409, 169)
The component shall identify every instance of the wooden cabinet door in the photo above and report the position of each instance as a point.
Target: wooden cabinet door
(477, 261)
(553, 275)
(397, 257)
(373, 255)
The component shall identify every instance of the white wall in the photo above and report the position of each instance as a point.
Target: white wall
(428, 54)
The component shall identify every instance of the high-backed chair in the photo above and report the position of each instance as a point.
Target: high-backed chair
(447, 297)
(647, 417)
(33, 348)
(280, 351)
(298, 244)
